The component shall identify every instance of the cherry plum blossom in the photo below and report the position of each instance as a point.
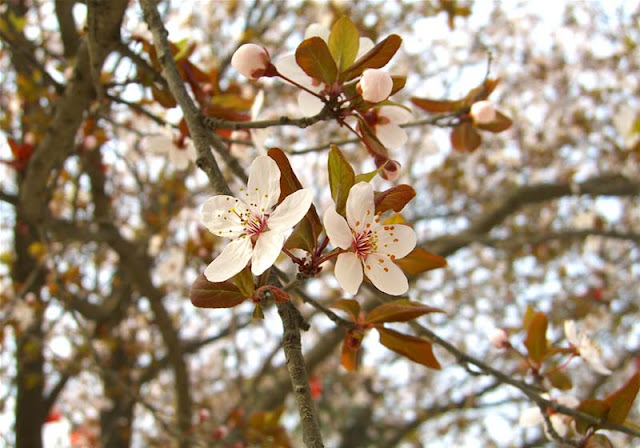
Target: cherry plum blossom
(368, 244)
(483, 112)
(251, 60)
(375, 85)
(253, 223)
(585, 347)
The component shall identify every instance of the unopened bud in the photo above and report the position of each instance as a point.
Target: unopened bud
(483, 112)
(251, 60)
(375, 85)
(499, 338)
(391, 171)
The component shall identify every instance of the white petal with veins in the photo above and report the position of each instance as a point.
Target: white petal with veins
(266, 251)
(348, 272)
(337, 229)
(291, 210)
(233, 259)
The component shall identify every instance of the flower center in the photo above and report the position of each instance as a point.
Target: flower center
(254, 226)
(364, 243)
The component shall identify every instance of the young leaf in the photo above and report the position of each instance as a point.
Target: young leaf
(402, 310)
(416, 349)
(349, 306)
(499, 124)
(205, 294)
(350, 348)
(436, 106)
(341, 178)
(395, 198)
(597, 408)
(536, 341)
(244, 282)
(377, 57)
(621, 400)
(420, 260)
(366, 177)
(464, 137)
(314, 58)
(344, 42)
(398, 83)
(559, 379)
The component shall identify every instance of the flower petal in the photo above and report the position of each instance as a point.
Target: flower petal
(348, 272)
(316, 29)
(287, 66)
(233, 258)
(266, 251)
(397, 240)
(385, 275)
(360, 206)
(291, 210)
(570, 332)
(531, 417)
(263, 188)
(337, 229)
(309, 105)
(221, 215)
(159, 144)
(391, 135)
(395, 114)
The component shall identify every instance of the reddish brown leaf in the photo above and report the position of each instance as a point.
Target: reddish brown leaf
(559, 379)
(164, 97)
(436, 106)
(314, 58)
(398, 83)
(419, 261)
(464, 137)
(621, 400)
(499, 124)
(205, 294)
(350, 348)
(596, 408)
(416, 349)
(377, 57)
(402, 310)
(395, 198)
(536, 341)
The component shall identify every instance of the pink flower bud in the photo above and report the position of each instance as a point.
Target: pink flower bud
(483, 112)
(251, 60)
(375, 85)
(499, 338)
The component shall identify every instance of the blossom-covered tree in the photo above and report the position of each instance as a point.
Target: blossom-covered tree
(207, 207)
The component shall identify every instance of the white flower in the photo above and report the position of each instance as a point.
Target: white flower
(255, 228)
(585, 347)
(560, 422)
(385, 123)
(251, 60)
(180, 151)
(483, 112)
(370, 245)
(624, 121)
(287, 66)
(375, 85)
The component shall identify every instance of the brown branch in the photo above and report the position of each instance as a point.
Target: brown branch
(67, 25)
(292, 322)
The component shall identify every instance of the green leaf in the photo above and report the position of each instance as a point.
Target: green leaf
(349, 306)
(596, 408)
(377, 57)
(436, 106)
(416, 349)
(205, 294)
(395, 198)
(499, 124)
(420, 260)
(344, 42)
(536, 341)
(464, 137)
(305, 234)
(559, 379)
(314, 58)
(402, 310)
(366, 177)
(244, 282)
(621, 401)
(341, 178)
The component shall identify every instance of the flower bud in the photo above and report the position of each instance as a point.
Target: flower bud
(251, 60)
(391, 171)
(499, 338)
(375, 85)
(483, 112)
